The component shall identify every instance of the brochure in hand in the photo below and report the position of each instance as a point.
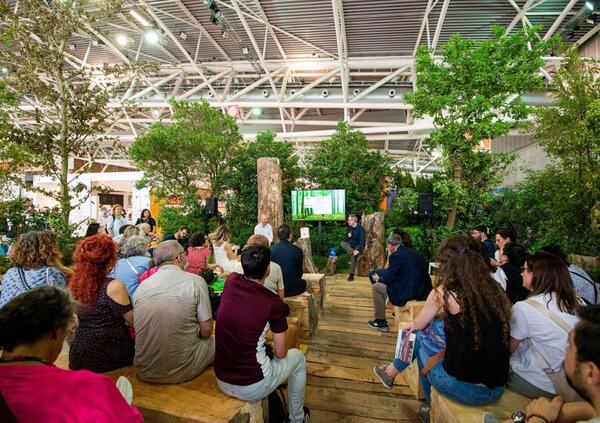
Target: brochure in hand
(405, 346)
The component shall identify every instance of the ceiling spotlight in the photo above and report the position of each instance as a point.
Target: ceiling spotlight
(392, 93)
(590, 5)
(325, 93)
(245, 51)
(95, 42)
(225, 34)
(292, 92)
(233, 110)
(156, 113)
(265, 93)
(183, 35)
(211, 94)
(122, 39)
(72, 46)
(138, 17)
(257, 111)
(355, 91)
(591, 19)
(152, 36)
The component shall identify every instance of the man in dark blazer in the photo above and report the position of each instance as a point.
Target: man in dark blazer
(406, 278)
(290, 258)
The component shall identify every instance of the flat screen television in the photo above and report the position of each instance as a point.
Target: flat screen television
(319, 204)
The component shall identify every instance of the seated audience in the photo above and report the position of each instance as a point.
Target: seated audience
(226, 254)
(496, 272)
(476, 316)
(94, 229)
(513, 258)
(274, 280)
(264, 228)
(172, 320)
(479, 233)
(198, 253)
(181, 236)
(583, 284)
(354, 244)
(128, 232)
(102, 342)
(145, 231)
(582, 371)
(146, 218)
(503, 237)
(538, 338)
(133, 263)
(115, 221)
(290, 258)
(405, 279)
(33, 327)
(243, 367)
(36, 261)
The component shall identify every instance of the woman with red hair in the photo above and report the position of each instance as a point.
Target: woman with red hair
(102, 342)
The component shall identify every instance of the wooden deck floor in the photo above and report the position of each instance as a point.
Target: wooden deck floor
(341, 385)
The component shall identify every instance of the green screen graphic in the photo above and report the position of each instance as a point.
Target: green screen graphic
(319, 204)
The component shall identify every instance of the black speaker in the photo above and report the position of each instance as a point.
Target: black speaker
(425, 204)
(212, 206)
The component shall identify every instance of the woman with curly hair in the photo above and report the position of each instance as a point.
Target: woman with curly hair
(473, 367)
(36, 262)
(102, 342)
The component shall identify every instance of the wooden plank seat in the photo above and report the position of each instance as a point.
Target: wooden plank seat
(445, 410)
(304, 307)
(315, 284)
(198, 400)
(405, 314)
(412, 379)
(292, 335)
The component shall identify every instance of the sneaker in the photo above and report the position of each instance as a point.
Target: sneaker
(489, 418)
(387, 381)
(306, 415)
(350, 277)
(379, 325)
(423, 413)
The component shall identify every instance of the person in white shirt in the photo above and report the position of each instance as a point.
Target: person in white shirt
(536, 339)
(264, 228)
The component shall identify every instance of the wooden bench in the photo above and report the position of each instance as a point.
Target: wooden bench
(412, 379)
(444, 410)
(407, 313)
(292, 335)
(304, 307)
(198, 400)
(315, 284)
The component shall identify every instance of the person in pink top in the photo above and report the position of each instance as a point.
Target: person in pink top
(33, 327)
(198, 253)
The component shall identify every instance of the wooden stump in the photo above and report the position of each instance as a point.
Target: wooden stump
(292, 337)
(270, 199)
(304, 307)
(308, 266)
(331, 265)
(374, 254)
(315, 284)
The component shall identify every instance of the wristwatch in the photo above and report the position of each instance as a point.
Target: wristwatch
(518, 417)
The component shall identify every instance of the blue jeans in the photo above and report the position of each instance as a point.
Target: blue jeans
(464, 392)
(380, 272)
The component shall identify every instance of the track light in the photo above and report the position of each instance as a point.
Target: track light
(392, 93)
(356, 91)
(225, 34)
(138, 17)
(245, 51)
(325, 93)
(72, 46)
(183, 35)
(590, 5)
(265, 93)
(95, 42)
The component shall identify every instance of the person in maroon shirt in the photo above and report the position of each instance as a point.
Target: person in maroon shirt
(242, 364)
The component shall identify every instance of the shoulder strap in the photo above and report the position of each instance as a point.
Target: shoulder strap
(555, 318)
(23, 279)
(132, 267)
(540, 358)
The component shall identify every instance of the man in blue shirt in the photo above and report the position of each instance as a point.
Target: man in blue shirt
(354, 244)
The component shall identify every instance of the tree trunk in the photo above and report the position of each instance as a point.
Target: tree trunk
(65, 197)
(270, 198)
(457, 178)
(374, 254)
(308, 266)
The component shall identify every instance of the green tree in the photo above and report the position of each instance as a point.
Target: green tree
(345, 162)
(241, 185)
(474, 93)
(192, 151)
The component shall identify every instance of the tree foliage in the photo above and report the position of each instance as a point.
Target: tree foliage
(474, 93)
(180, 157)
(345, 162)
(60, 115)
(240, 180)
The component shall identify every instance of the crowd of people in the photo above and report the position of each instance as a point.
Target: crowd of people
(494, 317)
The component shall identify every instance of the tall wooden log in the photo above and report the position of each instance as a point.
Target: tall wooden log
(270, 198)
(308, 266)
(374, 254)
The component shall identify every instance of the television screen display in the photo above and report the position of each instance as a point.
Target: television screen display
(319, 204)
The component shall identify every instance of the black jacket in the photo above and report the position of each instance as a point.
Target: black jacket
(290, 258)
(407, 277)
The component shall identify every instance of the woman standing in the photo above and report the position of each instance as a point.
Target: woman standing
(102, 342)
(476, 315)
(36, 262)
(32, 332)
(538, 335)
(503, 237)
(146, 217)
(115, 221)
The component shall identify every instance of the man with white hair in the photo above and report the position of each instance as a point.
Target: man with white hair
(264, 228)
(172, 320)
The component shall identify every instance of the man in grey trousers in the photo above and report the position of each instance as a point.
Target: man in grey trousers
(354, 244)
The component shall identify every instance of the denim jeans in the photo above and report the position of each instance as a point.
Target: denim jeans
(291, 368)
(463, 392)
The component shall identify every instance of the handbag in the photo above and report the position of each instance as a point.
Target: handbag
(559, 379)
